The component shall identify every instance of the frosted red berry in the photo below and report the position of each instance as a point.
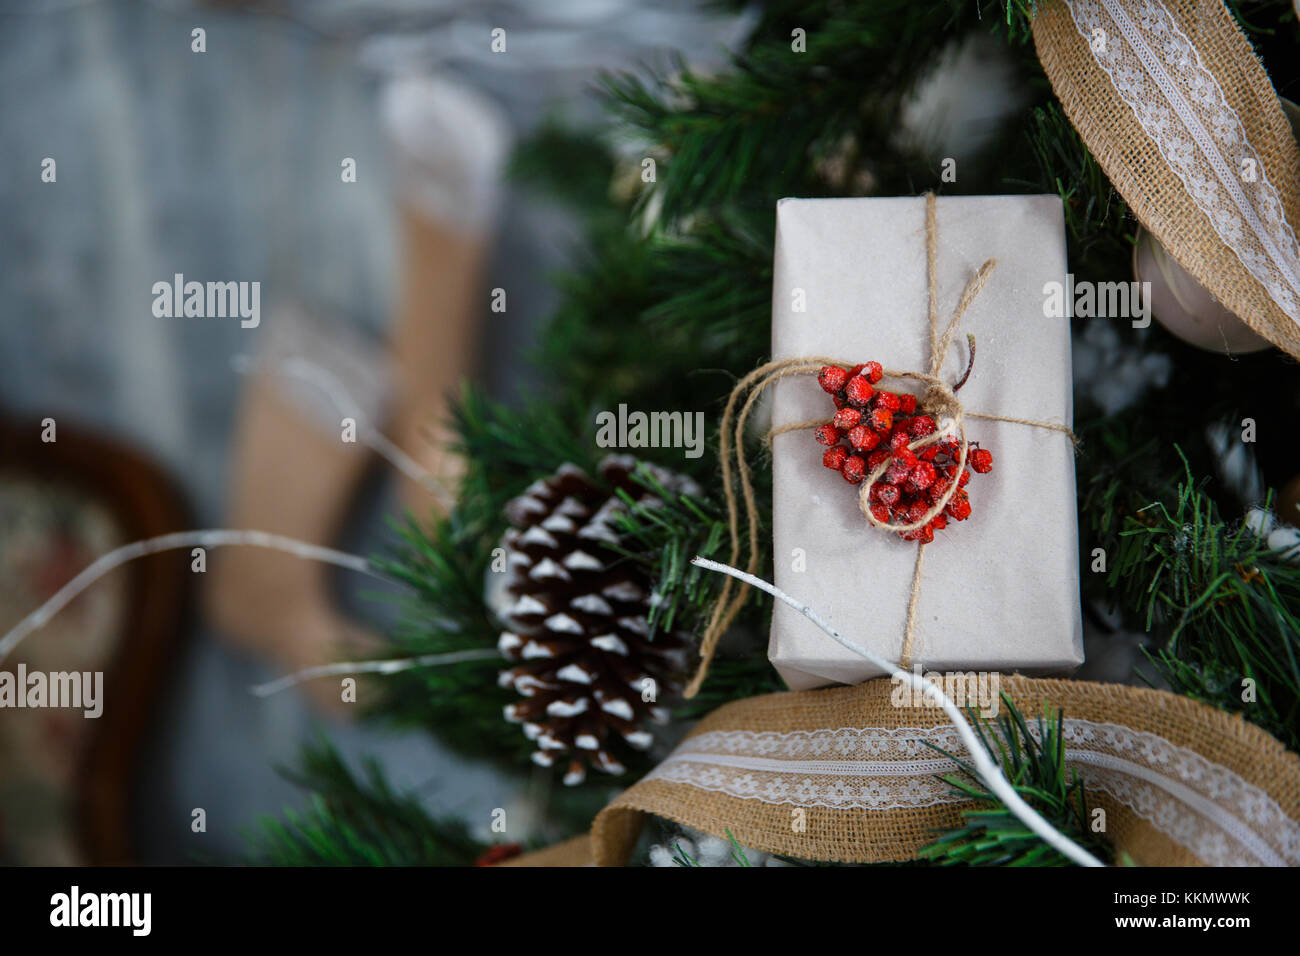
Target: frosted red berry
(834, 457)
(859, 391)
(832, 378)
(863, 438)
(846, 418)
(853, 469)
(873, 431)
(923, 475)
(897, 472)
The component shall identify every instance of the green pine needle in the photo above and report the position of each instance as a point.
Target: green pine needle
(990, 834)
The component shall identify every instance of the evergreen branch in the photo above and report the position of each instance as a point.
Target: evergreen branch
(357, 821)
(990, 834)
(1098, 225)
(1225, 605)
(664, 534)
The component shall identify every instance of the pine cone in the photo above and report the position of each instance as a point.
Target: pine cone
(578, 623)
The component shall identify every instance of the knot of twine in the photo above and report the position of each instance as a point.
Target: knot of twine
(938, 400)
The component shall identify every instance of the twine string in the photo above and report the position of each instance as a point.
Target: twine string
(938, 400)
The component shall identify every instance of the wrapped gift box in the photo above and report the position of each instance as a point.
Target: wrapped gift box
(999, 591)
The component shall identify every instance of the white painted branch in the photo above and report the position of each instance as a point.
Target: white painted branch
(170, 542)
(988, 770)
(371, 667)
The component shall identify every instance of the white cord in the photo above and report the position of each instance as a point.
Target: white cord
(170, 542)
(989, 771)
(391, 666)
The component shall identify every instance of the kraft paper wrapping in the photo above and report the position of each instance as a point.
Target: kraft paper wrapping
(999, 591)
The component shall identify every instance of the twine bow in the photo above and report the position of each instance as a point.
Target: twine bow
(938, 400)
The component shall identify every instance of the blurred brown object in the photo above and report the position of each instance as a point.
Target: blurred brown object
(1288, 502)
(94, 474)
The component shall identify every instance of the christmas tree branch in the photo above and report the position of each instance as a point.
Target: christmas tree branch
(992, 834)
(353, 820)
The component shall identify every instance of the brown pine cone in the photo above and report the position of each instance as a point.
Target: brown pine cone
(578, 623)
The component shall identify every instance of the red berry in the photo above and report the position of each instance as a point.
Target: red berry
(827, 434)
(856, 370)
(888, 400)
(889, 494)
(832, 378)
(981, 461)
(965, 477)
(834, 457)
(899, 438)
(920, 426)
(846, 418)
(859, 391)
(882, 419)
(863, 438)
(923, 475)
(940, 521)
(959, 508)
(853, 469)
(928, 453)
(907, 404)
(938, 489)
(880, 512)
(898, 471)
(873, 372)
(876, 459)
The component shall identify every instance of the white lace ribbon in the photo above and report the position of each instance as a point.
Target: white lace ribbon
(1204, 807)
(1159, 73)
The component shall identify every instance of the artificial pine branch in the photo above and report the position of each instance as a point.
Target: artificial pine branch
(665, 534)
(445, 564)
(1225, 605)
(357, 821)
(990, 834)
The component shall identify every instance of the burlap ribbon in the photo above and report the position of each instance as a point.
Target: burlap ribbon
(843, 774)
(1170, 98)
(939, 400)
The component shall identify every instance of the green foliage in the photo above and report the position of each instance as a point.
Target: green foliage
(1098, 225)
(357, 821)
(445, 564)
(1225, 606)
(990, 834)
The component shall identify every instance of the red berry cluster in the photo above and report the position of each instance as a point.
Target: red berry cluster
(878, 426)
